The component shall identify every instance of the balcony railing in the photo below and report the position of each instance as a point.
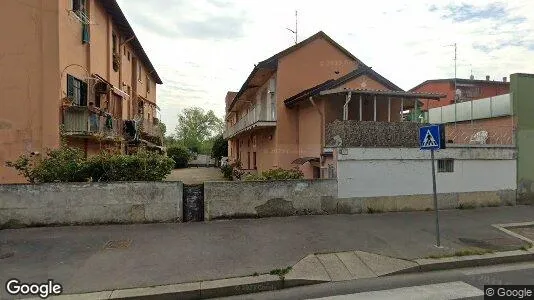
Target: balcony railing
(78, 120)
(257, 117)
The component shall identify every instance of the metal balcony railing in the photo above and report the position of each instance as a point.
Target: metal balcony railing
(256, 116)
(78, 120)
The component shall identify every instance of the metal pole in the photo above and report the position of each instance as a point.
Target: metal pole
(436, 209)
(455, 108)
(389, 109)
(374, 108)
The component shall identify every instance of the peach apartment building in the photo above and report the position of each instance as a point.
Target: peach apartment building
(72, 69)
(278, 117)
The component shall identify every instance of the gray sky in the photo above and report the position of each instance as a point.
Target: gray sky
(203, 48)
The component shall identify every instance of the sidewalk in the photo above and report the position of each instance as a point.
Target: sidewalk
(97, 258)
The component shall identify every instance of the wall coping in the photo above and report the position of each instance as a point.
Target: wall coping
(460, 153)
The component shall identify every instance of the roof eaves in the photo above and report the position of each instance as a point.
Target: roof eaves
(113, 8)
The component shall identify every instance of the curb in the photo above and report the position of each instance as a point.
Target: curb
(428, 265)
(195, 290)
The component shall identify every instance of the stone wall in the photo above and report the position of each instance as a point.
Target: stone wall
(90, 203)
(372, 134)
(266, 198)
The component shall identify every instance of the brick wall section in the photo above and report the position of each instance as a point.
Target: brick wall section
(373, 134)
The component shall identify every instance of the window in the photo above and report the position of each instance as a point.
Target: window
(78, 5)
(128, 53)
(445, 165)
(147, 85)
(76, 91)
(139, 71)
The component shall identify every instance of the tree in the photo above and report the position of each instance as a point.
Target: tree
(220, 148)
(196, 128)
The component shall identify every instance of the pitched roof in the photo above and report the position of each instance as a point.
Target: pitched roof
(113, 8)
(460, 81)
(272, 62)
(331, 84)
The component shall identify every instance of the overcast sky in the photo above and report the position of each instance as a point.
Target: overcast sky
(204, 48)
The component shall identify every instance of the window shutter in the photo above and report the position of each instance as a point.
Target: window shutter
(83, 93)
(70, 87)
(85, 34)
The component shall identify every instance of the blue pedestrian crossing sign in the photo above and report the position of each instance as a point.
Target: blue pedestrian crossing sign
(432, 137)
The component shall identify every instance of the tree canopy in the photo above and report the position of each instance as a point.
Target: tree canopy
(197, 129)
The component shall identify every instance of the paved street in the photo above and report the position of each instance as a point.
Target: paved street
(465, 283)
(94, 258)
(195, 175)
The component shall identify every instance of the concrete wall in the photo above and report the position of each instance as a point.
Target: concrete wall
(75, 203)
(266, 198)
(368, 172)
(523, 102)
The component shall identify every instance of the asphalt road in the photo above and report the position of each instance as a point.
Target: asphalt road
(467, 283)
(159, 254)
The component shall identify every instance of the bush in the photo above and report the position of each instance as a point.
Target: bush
(65, 164)
(276, 174)
(180, 156)
(227, 171)
(68, 164)
(232, 171)
(143, 166)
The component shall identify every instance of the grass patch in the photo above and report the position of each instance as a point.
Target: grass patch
(281, 272)
(466, 206)
(526, 247)
(463, 252)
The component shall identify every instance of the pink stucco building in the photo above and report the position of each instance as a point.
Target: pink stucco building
(57, 57)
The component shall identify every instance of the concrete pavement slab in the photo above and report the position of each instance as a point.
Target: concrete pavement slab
(309, 268)
(334, 267)
(356, 267)
(381, 265)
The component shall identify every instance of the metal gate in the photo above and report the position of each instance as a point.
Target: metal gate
(193, 203)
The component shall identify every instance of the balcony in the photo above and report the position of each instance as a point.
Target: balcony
(254, 119)
(79, 121)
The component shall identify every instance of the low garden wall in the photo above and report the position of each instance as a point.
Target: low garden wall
(90, 203)
(266, 198)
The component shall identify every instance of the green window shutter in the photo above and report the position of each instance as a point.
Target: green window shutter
(83, 93)
(85, 33)
(70, 87)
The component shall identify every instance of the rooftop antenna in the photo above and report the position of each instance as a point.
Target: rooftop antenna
(296, 28)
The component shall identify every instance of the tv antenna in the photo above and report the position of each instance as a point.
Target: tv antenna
(296, 28)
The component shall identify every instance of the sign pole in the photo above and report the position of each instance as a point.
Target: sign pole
(438, 244)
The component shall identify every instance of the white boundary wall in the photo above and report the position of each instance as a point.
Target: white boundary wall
(372, 172)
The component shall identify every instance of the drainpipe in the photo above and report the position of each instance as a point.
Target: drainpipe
(322, 130)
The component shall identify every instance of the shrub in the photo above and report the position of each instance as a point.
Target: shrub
(276, 174)
(227, 171)
(180, 155)
(143, 166)
(67, 164)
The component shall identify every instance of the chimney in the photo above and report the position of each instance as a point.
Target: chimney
(487, 77)
(472, 77)
(504, 79)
